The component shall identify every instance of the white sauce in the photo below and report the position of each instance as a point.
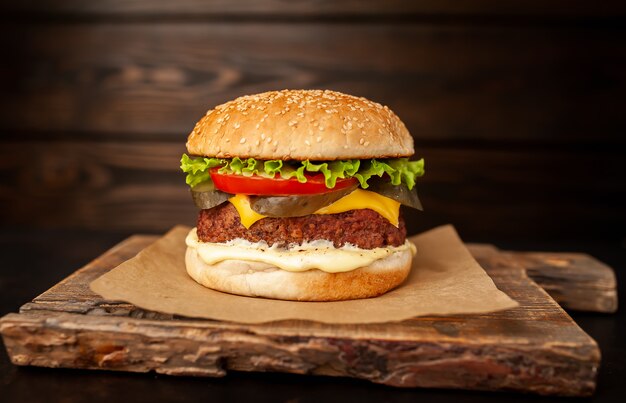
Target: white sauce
(319, 254)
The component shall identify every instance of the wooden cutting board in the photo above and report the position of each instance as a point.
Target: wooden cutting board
(536, 347)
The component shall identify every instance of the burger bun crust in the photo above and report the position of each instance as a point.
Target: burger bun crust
(256, 279)
(300, 125)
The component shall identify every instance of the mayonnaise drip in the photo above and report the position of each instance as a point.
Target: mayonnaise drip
(319, 254)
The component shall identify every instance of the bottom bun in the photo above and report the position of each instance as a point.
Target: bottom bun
(256, 279)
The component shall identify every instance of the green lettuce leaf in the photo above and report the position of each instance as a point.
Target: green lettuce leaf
(399, 170)
(331, 171)
(197, 169)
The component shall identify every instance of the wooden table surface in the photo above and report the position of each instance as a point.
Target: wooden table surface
(35, 260)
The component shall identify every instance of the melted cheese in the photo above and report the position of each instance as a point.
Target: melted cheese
(319, 254)
(357, 200)
(246, 214)
(364, 199)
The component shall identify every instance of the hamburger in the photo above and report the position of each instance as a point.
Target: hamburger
(299, 194)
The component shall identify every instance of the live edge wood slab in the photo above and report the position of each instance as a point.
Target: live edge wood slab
(535, 348)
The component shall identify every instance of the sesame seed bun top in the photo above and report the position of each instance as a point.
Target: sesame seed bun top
(300, 125)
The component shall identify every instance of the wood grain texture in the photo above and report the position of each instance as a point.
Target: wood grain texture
(534, 348)
(447, 82)
(137, 186)
(517, 106)
(575, 280)
(191, 8)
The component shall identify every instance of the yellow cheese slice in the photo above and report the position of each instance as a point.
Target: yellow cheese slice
(357, 200)
(362, 199)
(246, 214)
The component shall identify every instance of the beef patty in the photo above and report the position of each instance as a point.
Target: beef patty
(364, 228)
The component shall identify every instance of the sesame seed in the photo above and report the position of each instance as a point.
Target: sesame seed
(243, 140)
(361, 140)
(269, 140)
(227, 141)
(321, 128)
(256, 143)
(367, 143)
(307, 142)
(236, 125)
(319, 139)
(262, 136)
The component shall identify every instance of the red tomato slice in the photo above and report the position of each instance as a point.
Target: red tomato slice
(259, 185)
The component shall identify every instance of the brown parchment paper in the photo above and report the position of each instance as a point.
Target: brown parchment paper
(445, 279)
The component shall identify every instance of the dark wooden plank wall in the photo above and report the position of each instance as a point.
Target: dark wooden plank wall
(518, 107)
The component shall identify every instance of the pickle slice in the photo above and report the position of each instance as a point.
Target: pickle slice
(399, 193)
(296, 205)
(205, 196)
